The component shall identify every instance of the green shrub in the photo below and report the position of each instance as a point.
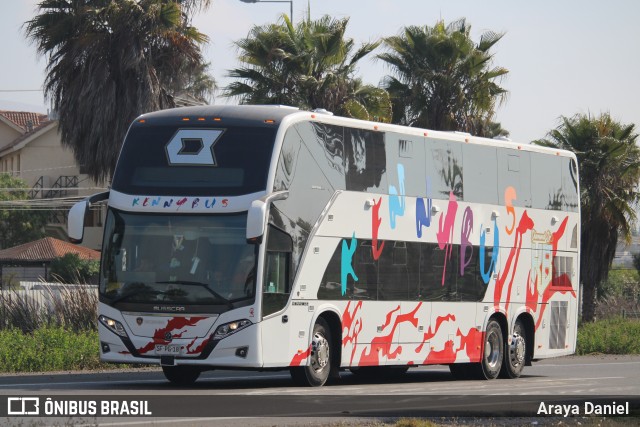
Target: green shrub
(610, 336)
(48, 349)
(70, 268)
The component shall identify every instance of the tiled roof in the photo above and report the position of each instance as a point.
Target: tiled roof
(25, 119)
(46, 250)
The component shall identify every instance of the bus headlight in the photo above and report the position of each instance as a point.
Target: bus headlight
(113, 325)
(230, 328)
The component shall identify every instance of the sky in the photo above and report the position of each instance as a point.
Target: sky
(564, 57)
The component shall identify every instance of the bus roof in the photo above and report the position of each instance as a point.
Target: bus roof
(273, 115)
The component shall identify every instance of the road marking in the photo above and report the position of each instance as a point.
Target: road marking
(586, 364)
(107, 382)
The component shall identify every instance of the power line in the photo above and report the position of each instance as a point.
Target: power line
(20, 90)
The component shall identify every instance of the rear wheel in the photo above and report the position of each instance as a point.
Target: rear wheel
(515, 352)
(320, 358)
(492, 354)
(181, 375)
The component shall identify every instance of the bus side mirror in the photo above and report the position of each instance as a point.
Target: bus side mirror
(257, 215)
(75, 222)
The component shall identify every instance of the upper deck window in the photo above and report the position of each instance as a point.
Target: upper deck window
(194, 161)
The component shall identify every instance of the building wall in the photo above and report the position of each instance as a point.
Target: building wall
(7, 134)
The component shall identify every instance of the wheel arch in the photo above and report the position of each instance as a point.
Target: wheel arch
(529, 327)
(335, 326)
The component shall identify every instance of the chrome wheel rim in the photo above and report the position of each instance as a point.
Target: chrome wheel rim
(319, 352)
(517, 350)
(492, 350)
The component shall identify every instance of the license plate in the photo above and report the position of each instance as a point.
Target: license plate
(168, 349)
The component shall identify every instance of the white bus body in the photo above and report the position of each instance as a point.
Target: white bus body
(354, 245)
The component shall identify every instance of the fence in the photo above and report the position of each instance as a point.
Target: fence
(38, 304)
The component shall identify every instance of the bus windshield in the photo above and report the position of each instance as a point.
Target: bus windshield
(177, 259)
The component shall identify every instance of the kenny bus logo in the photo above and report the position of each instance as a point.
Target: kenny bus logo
(23, 406)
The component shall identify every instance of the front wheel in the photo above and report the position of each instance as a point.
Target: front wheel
(317, 372)
(515, 352)
(181, 375)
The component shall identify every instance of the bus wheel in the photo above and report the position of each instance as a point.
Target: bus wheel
(492, 356)
(514, 353)
(181, 375)
(317, 372)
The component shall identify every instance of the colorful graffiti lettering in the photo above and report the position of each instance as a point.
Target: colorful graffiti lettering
(348, 250)
(509, 197)
(445, 232)
(376, 250)
(397, 202)
(525, 225)
(486, 274)
(209, 203)
(466, 248)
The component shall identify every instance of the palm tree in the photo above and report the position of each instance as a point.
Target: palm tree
(108, 62)
(609, 162)
(311, 65)
(441, 79)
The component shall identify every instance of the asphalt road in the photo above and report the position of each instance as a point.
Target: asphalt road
(245, 398)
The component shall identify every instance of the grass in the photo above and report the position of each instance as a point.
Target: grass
(48, 349)
(609, 336)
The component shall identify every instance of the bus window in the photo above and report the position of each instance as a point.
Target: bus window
(481, 174)
(365, 160)
(444, 168)
(546, 179)
(514, 170)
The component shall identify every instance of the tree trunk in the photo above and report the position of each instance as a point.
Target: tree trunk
(588, 301)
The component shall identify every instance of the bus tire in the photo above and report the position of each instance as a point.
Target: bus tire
(492, 352)
(515, 353)
(181, 375)
(316, 373)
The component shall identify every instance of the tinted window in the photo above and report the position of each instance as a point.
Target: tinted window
(406, 271)
(546, 182)
(444, 168)
(480, 174)
(237, 162)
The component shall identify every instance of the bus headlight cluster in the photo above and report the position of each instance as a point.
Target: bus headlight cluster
(230, 328)
(113, 325)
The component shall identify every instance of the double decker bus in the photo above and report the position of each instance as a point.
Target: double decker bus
(265, 237)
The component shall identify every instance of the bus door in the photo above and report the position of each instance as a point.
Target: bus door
(276, 289)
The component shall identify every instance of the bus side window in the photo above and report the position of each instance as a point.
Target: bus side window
(276, 286)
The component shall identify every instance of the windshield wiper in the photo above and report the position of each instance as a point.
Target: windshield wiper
(202, 285)
(135, 292)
